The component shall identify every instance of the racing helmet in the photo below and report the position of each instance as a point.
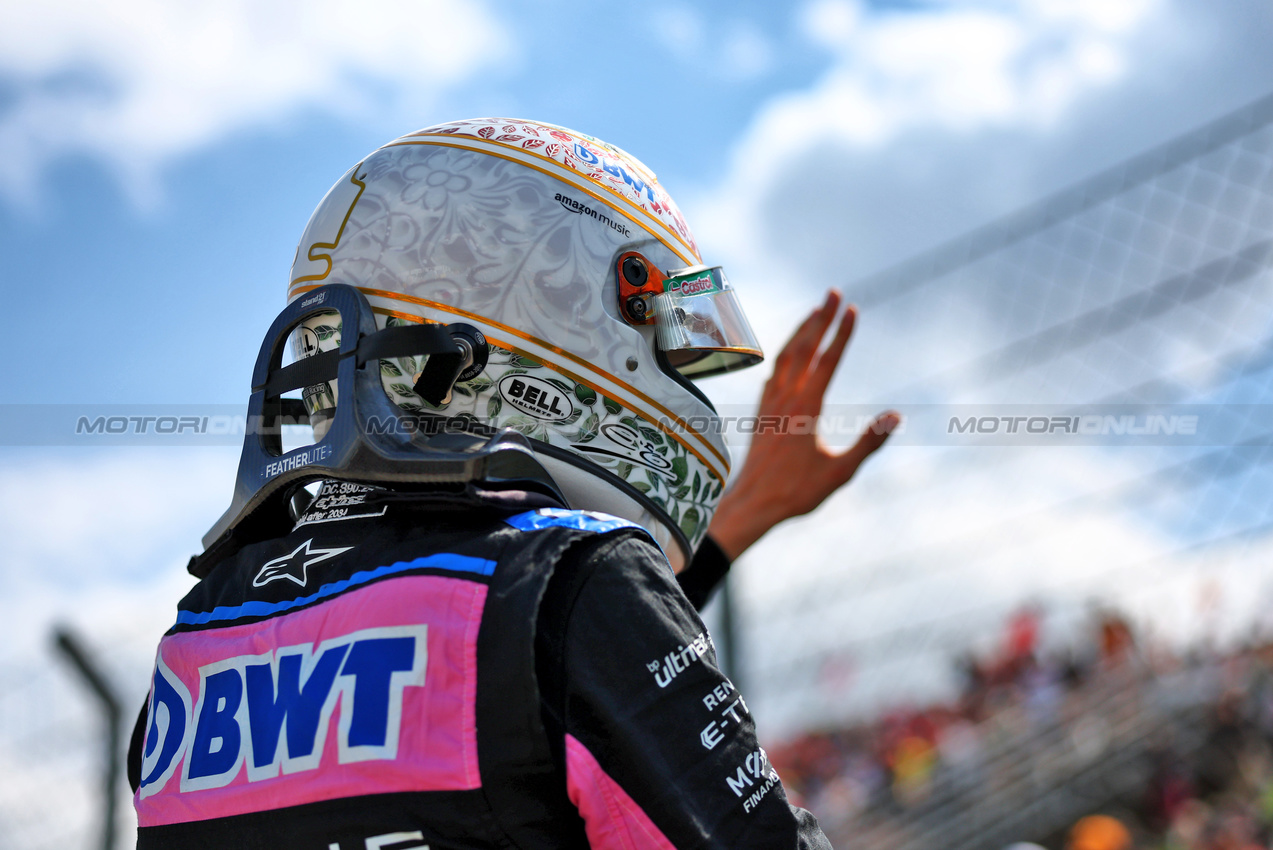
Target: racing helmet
(588, 309)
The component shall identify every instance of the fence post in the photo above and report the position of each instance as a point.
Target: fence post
(729, 652)
(71, 647)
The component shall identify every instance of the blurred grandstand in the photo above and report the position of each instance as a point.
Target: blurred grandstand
(1178, 748)
(948, 683)
(1147, 288)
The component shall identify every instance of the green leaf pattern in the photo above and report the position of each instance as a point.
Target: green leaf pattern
(689, 497)
(689, 500)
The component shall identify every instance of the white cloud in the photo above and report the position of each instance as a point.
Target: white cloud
(138, 82)
(97, 542)
(929, 122)
(89, 540)
(949, 70)
(922, 115)
(735, 50)
(829, 22)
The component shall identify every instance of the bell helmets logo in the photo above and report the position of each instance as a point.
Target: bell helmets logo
(536, 397)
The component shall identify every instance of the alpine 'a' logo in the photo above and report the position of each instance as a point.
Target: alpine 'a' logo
(293, 567)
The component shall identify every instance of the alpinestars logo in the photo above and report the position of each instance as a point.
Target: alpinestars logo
(294, 567)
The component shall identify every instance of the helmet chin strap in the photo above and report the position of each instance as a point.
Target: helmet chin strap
(589, 487)
(369, 439)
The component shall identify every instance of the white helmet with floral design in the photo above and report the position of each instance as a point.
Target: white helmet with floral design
(571, 260)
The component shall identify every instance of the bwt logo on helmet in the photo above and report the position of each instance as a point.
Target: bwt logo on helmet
(617, 171)
(273, 711)
(537, 397)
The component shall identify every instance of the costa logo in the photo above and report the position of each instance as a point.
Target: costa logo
(536, 397)
(698, 285)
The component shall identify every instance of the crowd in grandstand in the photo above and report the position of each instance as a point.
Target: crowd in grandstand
(1186, 740)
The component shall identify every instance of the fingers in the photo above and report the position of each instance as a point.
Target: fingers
(872, 438)
(820, 377)
(794, 359)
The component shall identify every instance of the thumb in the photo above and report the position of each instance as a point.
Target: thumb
(872, 438)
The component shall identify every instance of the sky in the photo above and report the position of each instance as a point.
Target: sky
(158, 163)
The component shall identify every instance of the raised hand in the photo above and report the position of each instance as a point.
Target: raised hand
(790, 473)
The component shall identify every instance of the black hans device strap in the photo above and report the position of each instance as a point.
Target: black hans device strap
(370, 439)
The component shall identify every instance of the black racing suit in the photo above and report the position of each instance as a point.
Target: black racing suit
(398, 672)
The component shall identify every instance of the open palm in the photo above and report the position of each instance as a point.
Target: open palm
(789, 471)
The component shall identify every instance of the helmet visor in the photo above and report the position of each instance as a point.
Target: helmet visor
(701, 326)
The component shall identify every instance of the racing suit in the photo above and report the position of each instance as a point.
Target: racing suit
(401, 671)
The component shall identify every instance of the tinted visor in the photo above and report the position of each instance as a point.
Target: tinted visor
(701, 326)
